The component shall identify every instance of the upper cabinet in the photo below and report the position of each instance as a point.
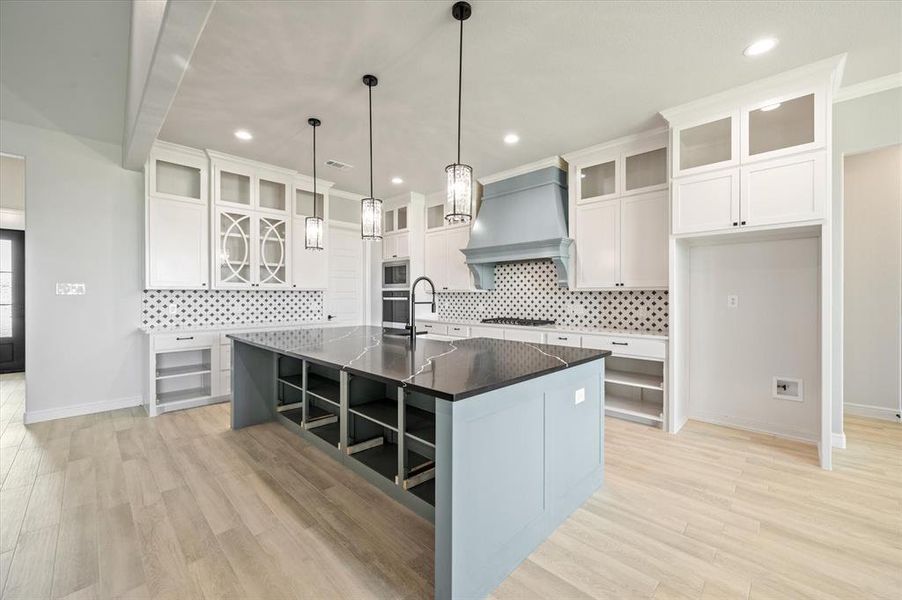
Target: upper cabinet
(247, 185)
(444, 261)
(176, 218)
(598, 179)
(753, 157)
(396, 236)
(394, 220)
(628, 166)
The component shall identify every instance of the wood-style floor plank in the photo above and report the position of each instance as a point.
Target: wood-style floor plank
(117, 505)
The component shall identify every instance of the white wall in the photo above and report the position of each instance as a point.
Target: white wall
(12, 192)
(85, 224)
(872, 190)
(774, 331)
(861, 124)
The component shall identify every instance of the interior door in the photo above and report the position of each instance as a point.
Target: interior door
(12, 301)
(344, 297)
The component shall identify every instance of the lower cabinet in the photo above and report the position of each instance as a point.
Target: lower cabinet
(184, 371)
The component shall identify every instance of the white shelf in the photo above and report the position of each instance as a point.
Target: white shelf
(178, 395)
(630, 407)
(183, 371)
(639, 380)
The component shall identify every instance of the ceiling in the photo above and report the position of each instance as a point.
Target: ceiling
(63, 65)
(562, 75)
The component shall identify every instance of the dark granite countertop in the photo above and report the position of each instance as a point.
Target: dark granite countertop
(452, 370)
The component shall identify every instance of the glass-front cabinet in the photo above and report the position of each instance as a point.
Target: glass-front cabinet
(395, 219)
(785, 124)
(234, 253)
(232, 186)
(598, 180)
(272, 250)
(706, 145)
(272, 195)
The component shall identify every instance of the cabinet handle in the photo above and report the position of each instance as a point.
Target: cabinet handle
(735, 224)
(182, 339)
(563, 339)
(620, 343)
(743, 222)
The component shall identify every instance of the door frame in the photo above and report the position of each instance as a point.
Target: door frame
(18, 292)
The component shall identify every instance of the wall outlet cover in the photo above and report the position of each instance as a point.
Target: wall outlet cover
(787, 388)
(732, 301)
(580, 396)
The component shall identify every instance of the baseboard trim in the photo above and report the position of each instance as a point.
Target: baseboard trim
(874, 412)
(838, 440)
(755, 427)
(51, 414)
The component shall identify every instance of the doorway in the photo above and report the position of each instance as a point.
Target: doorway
(12, 264)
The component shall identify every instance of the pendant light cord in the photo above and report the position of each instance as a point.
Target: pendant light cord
(460, 84)
(314, 171)
(370, 88)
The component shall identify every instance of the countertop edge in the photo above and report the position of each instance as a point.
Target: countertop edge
(550, 329)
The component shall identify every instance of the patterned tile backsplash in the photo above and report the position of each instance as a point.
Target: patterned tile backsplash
(213, 308)
(530, 290)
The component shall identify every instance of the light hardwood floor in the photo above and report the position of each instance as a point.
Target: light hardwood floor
(119, 505)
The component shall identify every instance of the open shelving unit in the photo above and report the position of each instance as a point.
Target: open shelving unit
(634, 389)
(182, 375)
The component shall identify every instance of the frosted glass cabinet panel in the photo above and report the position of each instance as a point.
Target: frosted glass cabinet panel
(388, 221)
(272, 195)
(234, 249)
(402, 218)
(598, 180)
(178, 180)
(706, 144)
(781, 125)
(234, 188)
(273, 249)
(645, 169)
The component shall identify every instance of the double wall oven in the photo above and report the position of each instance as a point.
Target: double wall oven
(395, 294)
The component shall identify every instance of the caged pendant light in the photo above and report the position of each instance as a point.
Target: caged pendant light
(313, 226)
(371, 208)
(459, 201)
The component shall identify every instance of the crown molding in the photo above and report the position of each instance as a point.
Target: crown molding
(551, 161)
(621, 141)
(866, 88)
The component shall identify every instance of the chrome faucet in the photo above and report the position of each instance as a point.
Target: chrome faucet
(413, 305)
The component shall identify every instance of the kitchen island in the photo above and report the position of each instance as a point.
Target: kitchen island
(495, 441)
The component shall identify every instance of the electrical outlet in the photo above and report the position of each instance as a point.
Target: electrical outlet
(172, 309)
(70, 289)
(732, 301)
(580, 396)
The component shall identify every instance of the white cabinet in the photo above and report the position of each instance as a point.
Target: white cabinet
(309, 268)
(622, 242)
(524, 335)
(599, 179)
(788, 123)
(177, 244)
(487, 332)
(783, 190)
(445, 263)
(183, 371)
(643, 240)
(176, 219)
(705, 144)
(395, 219)
(272, 252)
(396, 245)
(706, 202)
(251, 250)
(598, 244)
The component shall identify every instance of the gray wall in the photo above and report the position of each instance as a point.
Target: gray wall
(861, 124)
(84, 224)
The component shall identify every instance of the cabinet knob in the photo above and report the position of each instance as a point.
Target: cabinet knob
(743, 222)
(735, 224)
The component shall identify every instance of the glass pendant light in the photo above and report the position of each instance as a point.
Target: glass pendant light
(313, 226)
(371, 208)
(459, 201)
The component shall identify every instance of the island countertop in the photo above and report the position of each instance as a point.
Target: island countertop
(452, 370)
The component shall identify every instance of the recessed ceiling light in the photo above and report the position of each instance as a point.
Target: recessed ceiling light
(771, 107)
(243, 134)
(397, 180)
(511, 138)
(760, 47)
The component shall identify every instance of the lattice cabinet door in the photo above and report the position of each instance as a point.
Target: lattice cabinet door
(234, 256)
(273, 252)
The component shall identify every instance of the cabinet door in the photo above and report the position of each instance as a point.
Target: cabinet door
(598, 180)
(643, 240)
(273, 194)
(177, 177)
(784, 190)
(434, 259)
(402, 218)
(706, 145)
(707, 202)
(309, 268)
(784, 125)
(598, 244)
(389, 247)
(272, 252)
(388, 221)
(645, 170)
(402, 245)
(458, 277)
(234, 249)
(177, 244)
(233, 185)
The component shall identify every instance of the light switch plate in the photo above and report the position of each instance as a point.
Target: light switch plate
(580, 396)
(70, 289)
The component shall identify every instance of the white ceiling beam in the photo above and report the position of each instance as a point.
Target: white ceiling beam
(180, 29)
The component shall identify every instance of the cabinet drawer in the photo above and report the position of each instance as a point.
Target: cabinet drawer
(521, 335)
(225, 356)
(459, 330)
(438, 328)
(487, 332)
(176, 341)
(626, 346)
(564, 339)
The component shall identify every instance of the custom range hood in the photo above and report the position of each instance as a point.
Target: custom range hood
(523, 216)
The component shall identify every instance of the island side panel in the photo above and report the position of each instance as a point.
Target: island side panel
(511, 465)
(254, 374)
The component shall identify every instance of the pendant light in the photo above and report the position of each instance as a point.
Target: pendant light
(459, 201)
(371, 208)
(313, 226)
